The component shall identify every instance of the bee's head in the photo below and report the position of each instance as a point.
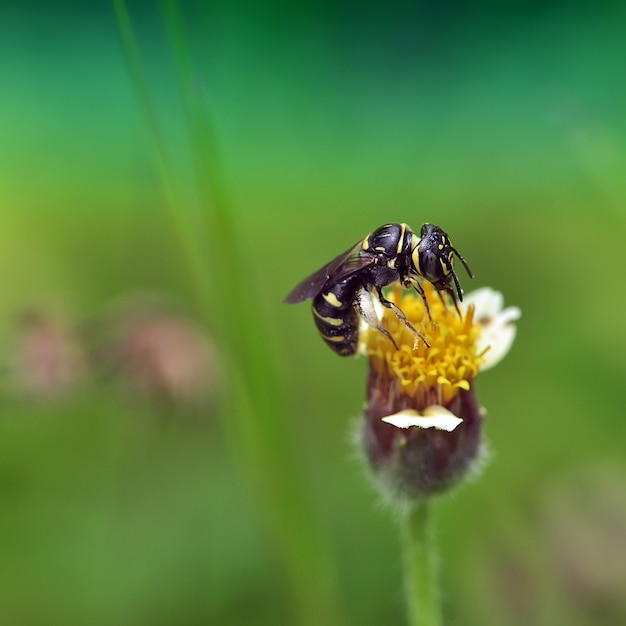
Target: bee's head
(433, 258)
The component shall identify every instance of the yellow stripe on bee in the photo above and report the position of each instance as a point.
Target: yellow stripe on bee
(331, 338)
(415, 257)
(336, 339)
(332, 299)
(331, 321)
(401, 239)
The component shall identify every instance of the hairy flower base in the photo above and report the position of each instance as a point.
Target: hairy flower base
(416, 462)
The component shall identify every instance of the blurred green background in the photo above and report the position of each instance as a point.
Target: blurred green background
(145, 349)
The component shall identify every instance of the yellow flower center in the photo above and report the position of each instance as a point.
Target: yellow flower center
(424, 375)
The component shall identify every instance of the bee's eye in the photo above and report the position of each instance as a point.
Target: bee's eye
(430, 266)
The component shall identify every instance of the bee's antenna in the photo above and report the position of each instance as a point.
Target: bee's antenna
(457, 285)
(465, 265)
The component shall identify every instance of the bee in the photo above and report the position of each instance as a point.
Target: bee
(345, 289)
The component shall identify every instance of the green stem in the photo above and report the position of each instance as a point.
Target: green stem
(421, 565)
(256, 420)
(196, 257)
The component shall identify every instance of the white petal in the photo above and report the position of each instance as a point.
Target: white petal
(487, 301)
(497, 329)
(433, 417)
(499, 342)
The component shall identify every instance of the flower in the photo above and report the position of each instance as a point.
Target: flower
(423, 424)
(48, 360)
(157, 351)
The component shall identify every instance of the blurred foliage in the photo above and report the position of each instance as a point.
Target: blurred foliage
(503, 124)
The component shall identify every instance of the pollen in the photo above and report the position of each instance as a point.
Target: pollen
(431, 369)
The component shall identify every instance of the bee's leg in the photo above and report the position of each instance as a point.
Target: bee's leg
(367, 310)
(455, 300)
(453, 297)
(418, 287)
(402, 317)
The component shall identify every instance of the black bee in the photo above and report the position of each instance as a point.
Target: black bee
(342, 289)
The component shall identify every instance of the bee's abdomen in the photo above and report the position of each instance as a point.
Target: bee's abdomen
(336, 317)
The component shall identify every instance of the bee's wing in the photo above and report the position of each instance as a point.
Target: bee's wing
(351, 261)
